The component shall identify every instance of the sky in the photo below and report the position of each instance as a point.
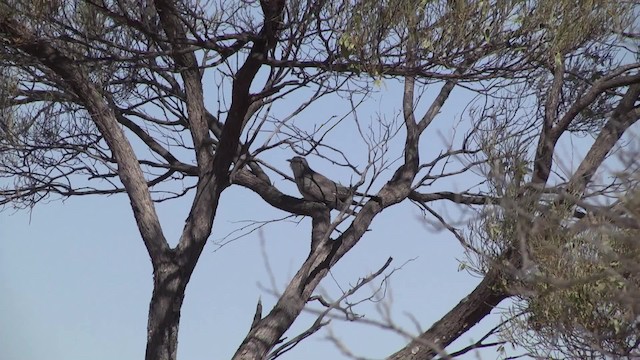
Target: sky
(76, 280)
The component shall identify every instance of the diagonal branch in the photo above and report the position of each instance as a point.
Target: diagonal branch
(469, 311)
(551, 135)
(622, 118)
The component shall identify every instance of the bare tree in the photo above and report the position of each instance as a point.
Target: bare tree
(105, 97)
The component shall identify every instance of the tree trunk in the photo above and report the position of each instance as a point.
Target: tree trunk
(164, 312)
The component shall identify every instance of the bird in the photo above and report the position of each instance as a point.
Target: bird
(317, 187)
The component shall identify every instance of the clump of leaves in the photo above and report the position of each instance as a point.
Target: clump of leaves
(584, 300)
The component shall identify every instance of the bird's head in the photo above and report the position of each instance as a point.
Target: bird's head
(298, 164)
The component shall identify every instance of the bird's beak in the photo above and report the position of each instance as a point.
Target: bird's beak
(290, 160)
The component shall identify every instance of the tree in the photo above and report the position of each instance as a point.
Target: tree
(108, 97)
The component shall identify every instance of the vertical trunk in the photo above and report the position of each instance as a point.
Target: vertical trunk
(169, 284)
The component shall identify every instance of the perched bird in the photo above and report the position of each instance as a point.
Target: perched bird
(317, 187)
